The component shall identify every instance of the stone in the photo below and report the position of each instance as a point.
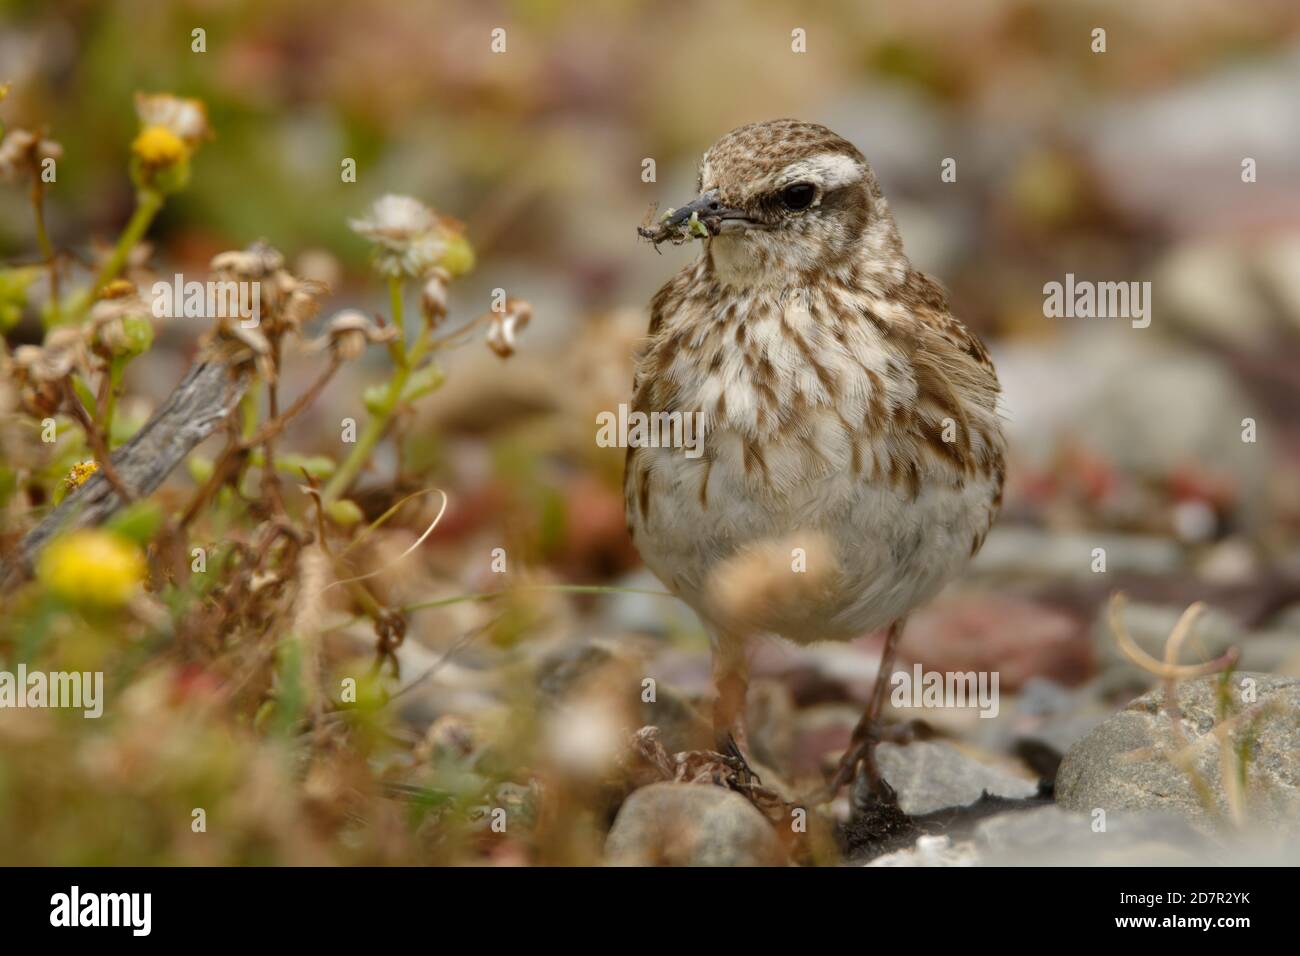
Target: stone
(1124, 765)
(684, 824)
(1051, 835)
(932, 851)
(930, 775)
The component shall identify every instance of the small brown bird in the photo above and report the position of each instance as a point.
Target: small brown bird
(852, 459)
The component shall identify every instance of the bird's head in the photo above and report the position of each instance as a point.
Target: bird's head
(783, 199)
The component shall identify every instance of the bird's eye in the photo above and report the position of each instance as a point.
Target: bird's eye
(798, 196)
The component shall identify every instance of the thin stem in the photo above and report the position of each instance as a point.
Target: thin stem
(395, 305)
(47, 247)
(493, 595)
(147, 204)
(557, 588)
(116, 369)
(383, 415)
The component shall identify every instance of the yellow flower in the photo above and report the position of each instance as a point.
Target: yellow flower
(92, 567)
(80, 473)
(158, 146)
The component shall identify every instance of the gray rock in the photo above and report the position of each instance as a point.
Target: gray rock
(1011, 551)
(1123, 764)
(929, 776)
(1053, 836)
(932, 851)
(1274, 651)
(1044, 712)
(684, 824)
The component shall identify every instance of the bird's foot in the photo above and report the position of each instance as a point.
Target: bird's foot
(862, 753)
(735, 758)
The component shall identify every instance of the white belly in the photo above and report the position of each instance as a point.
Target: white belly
(893, 552)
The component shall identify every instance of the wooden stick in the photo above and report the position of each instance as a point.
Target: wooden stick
(207, 394)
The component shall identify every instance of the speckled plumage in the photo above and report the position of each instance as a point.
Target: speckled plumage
(829, 373)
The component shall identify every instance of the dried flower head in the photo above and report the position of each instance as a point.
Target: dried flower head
(408, 237)
(506, 325)
(433, 298)
(40, 370)
(350, 331)
(120, 323)
(24, 150)
(240, 345)
(257, 261)
(285, 301)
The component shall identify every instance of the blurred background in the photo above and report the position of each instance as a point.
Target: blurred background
(1122, 165)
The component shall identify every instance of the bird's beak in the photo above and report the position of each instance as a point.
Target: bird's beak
(710, 210)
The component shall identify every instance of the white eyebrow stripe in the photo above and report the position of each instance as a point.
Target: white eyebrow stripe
(828, 170)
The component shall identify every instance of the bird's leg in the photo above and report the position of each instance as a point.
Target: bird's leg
(868, 732)
(731, 681)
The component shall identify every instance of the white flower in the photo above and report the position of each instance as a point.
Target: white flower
(408, 237)
(187, 118)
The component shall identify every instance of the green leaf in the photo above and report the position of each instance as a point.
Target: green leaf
(139, 336)
(459, 257)
(138, 522)
(375, 397)
(317, 466)
(344, 512)
(13, 293)
(83, 392)
(423, 381)
(200, 468)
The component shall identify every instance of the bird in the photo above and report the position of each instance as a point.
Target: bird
(849, 421)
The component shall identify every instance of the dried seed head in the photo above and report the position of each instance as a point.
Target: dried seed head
(120, 322)
(350, 331)
(506, 325)
(433, 299)
(251, 264)
(41, 370)
(22, 149)
(243, 345)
